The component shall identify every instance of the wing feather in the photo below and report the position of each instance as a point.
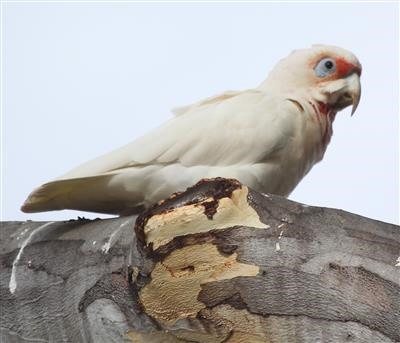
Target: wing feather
(213, 99)
(217, 133)
(225, 136)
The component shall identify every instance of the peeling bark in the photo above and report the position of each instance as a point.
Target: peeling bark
(217, 263)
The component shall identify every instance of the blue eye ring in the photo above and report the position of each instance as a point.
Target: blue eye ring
(325, 67)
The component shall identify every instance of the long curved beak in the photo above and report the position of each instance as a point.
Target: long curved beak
(353, 89)
(343, 92)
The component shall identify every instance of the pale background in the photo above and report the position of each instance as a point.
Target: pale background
(80, 79)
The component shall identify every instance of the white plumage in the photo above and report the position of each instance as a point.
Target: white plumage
(268, 138)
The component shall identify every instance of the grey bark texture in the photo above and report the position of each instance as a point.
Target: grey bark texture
(217, 263)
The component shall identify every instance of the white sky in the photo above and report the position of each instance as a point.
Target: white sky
(80, 79)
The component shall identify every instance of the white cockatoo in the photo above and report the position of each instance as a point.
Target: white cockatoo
(268, 138)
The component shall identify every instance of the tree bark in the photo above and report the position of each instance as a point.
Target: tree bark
(217, 263)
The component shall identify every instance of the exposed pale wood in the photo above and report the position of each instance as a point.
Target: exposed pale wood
(278, 271)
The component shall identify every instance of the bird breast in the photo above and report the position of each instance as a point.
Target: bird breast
(304, 148)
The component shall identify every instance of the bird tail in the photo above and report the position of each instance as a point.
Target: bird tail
(84, 194)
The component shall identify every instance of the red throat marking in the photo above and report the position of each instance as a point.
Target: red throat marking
(323, 108)
(325, 116)
(326, 110)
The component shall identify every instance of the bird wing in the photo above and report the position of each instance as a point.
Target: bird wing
(213, 99)
(224, 131)
(244, 128)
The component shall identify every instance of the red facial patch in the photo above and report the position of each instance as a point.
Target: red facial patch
(344, 68)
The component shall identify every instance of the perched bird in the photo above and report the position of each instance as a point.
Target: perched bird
(268, 138)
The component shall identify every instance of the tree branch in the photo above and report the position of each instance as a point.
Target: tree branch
(217, 263)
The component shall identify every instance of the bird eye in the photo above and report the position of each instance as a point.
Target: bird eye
(325, 67)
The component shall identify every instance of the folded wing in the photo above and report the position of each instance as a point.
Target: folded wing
(220, 133)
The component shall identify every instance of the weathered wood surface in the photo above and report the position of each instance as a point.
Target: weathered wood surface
(219, 263)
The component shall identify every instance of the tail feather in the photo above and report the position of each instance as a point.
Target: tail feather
(86, 194)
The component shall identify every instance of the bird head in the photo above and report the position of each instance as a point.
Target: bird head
(331, 75)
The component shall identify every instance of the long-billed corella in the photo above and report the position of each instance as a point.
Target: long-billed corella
(268, 138)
